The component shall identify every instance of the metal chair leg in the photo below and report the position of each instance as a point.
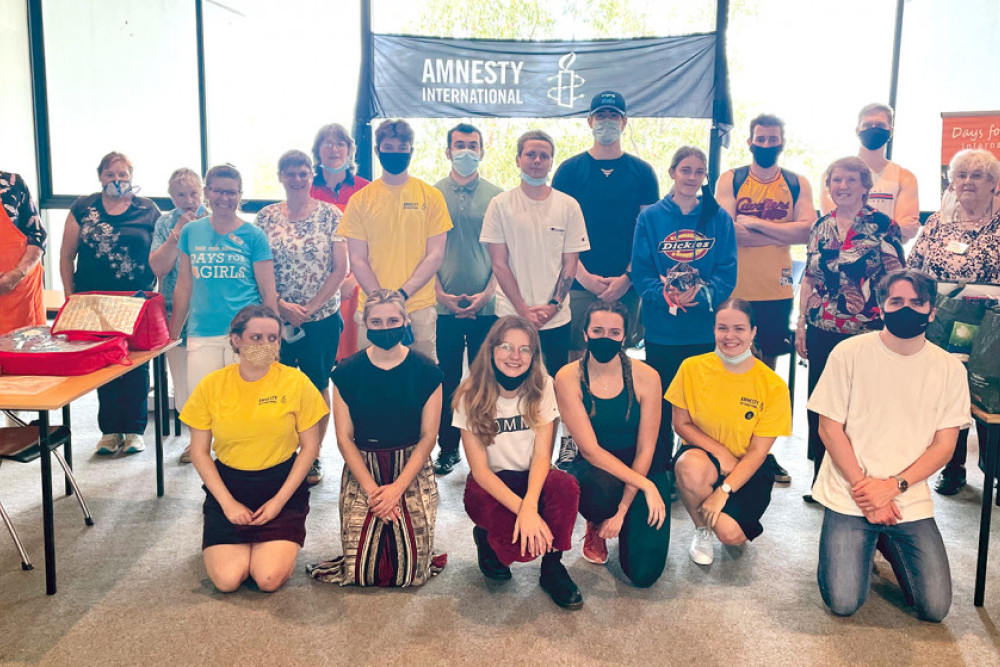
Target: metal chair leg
(17, 421)
(76, 489)
(25, 562)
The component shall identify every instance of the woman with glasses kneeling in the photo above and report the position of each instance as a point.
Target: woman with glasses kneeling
(611, 406)
(728, 409)
(254, 415)
(386, 407)
(522, 507)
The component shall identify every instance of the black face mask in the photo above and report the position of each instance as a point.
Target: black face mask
(874, 138)
(506, 381)
(603, 350)
(766, 156)
(394, 163)
(905, 323)
(386, 338)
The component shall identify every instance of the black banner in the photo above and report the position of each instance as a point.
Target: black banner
(433, 77)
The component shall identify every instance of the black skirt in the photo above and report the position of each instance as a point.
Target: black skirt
(253, 488)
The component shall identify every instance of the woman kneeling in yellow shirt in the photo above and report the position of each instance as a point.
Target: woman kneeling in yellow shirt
(254, 414)
(728, 408)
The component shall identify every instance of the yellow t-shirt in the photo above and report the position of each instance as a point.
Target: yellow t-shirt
(731, 407)
(765, 273)
(396, 221)
(254, 425)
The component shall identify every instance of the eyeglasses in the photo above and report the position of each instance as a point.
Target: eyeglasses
(330, 145)
(508, 349)
(232, 194)
(302, 175)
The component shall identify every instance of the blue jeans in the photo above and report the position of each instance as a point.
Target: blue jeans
(914, 549)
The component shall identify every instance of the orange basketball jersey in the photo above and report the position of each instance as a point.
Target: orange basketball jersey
(765, 273)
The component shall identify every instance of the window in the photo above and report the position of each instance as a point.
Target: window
(16, 122)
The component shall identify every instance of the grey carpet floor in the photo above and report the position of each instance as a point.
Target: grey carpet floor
(133, 590)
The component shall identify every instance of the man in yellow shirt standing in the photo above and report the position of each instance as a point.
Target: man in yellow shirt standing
(396, 230)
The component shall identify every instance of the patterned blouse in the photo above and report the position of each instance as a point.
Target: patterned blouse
(844, 273)
(113, 252)
(21, 209)
(954, 252)
(303, 253)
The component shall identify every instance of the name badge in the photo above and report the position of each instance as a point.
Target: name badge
(957, 247)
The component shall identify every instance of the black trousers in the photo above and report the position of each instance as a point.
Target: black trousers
(121, 403)
(455, 336)
(555, 347)
(666, 359)
(642, 549)
(819, 345)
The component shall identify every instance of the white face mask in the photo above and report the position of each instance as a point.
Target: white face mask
(733, 361)
(607, 131)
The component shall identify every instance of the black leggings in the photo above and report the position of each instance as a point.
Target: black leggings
(642, 549)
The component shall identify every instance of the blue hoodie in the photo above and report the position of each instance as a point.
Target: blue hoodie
(664, 237)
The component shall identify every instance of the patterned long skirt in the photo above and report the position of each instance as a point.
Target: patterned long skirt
(378, 553)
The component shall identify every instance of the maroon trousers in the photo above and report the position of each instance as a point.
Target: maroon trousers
(557, 506)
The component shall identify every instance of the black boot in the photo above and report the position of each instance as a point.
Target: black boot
(489, 564)
(446, 462)
(556, 582)
(951, 481)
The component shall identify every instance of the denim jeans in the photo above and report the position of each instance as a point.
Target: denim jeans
(914, 549)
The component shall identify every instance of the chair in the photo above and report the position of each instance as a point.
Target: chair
(21, 445)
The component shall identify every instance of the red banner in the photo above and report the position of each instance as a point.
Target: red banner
(971, 129)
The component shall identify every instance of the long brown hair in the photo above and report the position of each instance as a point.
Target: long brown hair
(477, 395)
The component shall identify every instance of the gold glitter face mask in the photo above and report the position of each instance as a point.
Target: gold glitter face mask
(260, 355)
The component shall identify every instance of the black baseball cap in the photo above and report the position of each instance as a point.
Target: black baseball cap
(608, 99)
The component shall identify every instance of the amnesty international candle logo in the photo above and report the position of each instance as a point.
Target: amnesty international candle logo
(685, 245)
(567, 81)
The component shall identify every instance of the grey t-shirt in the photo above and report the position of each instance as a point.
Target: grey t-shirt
(466, 268)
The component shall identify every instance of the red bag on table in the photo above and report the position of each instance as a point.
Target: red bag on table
(139, 316)
(36, 351)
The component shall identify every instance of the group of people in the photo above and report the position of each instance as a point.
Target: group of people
(387, 287)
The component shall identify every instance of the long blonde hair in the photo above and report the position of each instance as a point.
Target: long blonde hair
(477, 395)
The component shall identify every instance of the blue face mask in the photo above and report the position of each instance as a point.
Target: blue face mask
(607, 131)
(534, 181)
(119, 189)
(465, 162)
(337, 170)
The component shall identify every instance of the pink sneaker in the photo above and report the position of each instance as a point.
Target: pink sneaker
(595, 549)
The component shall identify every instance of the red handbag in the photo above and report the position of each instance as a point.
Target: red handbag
(35, 351)
(139, 316)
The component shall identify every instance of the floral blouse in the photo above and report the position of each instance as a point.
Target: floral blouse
(303, 253)
(954, 252)
(845, 272)
(113, 250)
(20, 208)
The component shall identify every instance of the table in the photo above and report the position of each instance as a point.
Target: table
(60, 397)
(992, 444)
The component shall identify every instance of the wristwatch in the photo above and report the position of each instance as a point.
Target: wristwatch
(553, 302)
(901, 483)
(726, 489)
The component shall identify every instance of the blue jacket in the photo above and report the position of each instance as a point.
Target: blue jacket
(664, 237)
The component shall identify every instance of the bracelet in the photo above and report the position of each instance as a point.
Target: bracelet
(406, 297)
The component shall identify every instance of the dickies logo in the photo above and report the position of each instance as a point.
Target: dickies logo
(685, 245)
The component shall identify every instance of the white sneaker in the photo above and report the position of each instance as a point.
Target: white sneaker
(109, 444)
(134, 443)
(702, 550)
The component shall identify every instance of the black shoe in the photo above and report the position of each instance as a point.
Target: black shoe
(446, 462)
(556, 582)
(489, 564)
(781, 475)
(950, 481)
(809, 499)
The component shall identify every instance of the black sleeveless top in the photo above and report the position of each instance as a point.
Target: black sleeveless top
(614, 432)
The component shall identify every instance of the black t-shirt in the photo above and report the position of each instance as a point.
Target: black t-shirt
(386, 405)
(610, 193)
(113, 250)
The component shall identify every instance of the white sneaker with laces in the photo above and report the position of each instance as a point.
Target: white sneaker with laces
(109, 444)
(134, 443)
(702, 550)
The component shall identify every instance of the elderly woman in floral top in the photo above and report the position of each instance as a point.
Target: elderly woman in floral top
(105, 247)
(310, 262)
(962, 244)
(850, 249)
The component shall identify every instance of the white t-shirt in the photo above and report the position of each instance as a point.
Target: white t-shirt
(537, 235)
(515, 441)
(885, 190)
(891, 406)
